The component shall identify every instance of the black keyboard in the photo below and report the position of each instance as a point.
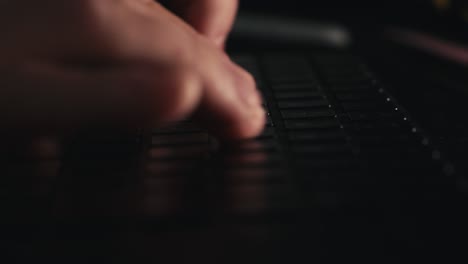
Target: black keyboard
(340, 171)
(327, 114)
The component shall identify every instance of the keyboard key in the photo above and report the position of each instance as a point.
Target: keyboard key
(287, 104)
(358, 96)
(252, 160)
(345, 74)
(317, 136)
(255, 175)
(326, 123)
(175, 139)
(321, 149)
(295, 87)
(164, 168)
(183, 127)
(308, 165)
(307, 113)
(267, 145)
(352, 87)
(299, 95)
(336, 59)
(201, 151)
(347, 77)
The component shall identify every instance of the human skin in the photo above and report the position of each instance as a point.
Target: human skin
(66, 65)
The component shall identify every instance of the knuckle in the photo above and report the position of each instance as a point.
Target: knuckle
(182, 54)
(183, 50)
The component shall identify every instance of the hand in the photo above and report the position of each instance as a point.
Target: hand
(125, 63)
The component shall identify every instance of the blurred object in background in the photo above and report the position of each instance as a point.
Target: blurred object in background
(458, 8)
(446, 19)
(290, 30)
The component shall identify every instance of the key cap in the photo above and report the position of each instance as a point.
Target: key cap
(334, 150)
(365, 95)
(177, 139)
(310, 103)
(266, 145)
(317, 136)
(197, 152)
(301, 95)
(295, 87)
(306, 113)
(327, 123)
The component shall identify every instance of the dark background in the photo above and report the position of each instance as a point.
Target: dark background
(417, 14)
(396, 10)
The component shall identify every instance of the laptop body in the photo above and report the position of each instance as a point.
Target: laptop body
(343, 171)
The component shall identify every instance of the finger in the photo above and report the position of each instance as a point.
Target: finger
(40, 98)
(226, 99)
(230, 105)
(212, 18)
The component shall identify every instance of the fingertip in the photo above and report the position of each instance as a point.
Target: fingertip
(247, 127)
(252, 126)
(232, 107)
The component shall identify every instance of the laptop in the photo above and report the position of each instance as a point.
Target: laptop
(363, 157)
